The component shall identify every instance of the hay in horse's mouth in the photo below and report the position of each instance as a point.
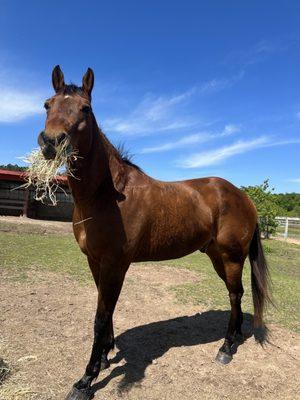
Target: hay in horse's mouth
(43, 174)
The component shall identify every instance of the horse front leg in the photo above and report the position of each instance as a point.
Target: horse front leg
(110, 344)
(109, 287)
(94, 267)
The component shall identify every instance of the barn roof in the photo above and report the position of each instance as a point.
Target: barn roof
(20, 176)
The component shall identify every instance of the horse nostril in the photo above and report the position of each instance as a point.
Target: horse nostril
(44, 139)
(41, 139)
(49, 144)
(61, 138)
(49, 152)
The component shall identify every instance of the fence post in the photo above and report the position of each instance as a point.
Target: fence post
(286, 229)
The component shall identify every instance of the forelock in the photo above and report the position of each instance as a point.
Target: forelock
(72, 89)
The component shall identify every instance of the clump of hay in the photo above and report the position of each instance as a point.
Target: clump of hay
(4, 370)
(43, 174)
(16, 391)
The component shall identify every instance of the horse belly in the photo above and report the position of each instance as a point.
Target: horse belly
(166, 241)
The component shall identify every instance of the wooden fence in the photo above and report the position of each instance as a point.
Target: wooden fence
(288, 227)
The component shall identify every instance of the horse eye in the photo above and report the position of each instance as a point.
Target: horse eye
(46, 105)
(86, 109)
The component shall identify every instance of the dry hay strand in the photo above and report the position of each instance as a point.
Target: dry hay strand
(16, 392)
(13, 388)
(43, 174)
(4, 370)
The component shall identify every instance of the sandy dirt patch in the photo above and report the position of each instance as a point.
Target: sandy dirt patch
(288, 240)
(165, 350)
(28, 225)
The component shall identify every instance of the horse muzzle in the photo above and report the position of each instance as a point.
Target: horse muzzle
(48, 145)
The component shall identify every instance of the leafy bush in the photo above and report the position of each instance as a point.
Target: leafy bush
(266, 205)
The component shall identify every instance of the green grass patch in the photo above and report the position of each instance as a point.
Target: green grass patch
(21, 253)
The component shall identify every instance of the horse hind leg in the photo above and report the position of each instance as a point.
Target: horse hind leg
(230, 271)
(233, 276)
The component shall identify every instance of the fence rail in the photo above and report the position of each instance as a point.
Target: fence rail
(288, 227)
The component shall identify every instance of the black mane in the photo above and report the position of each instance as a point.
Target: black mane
(126, 156)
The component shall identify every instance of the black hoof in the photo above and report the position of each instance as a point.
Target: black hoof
(76, 394)
(223, 358)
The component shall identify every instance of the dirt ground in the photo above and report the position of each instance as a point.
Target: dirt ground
(288, 240)
(35, 225)
(165, 350)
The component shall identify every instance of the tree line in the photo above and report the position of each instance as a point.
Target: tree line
(13, 167)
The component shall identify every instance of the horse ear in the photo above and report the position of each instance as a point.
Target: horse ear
(58, 80)
(88, 81)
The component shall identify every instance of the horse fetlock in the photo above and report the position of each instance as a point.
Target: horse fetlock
(227, 346)
(104, 362)
(239, 338)
(85, 382)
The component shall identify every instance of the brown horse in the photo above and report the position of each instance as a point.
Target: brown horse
(122, 215)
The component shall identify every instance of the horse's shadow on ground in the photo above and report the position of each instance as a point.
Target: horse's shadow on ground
(141, 345)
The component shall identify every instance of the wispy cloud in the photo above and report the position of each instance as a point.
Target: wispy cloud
(294, 180)
(153, 114)
(196, 138)
(166, 113)
(17, 102)
(185, 141)
(260, 51)
(216, 85)
(217, 156)
(228, 130)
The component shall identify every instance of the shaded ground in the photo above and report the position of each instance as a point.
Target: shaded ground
(165, 350)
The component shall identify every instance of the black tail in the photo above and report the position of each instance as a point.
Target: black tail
(259, 278)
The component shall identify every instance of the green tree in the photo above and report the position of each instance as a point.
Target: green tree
(266, 205)
(13, 167)
(290, 203)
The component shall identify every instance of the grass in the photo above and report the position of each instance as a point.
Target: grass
(23, 252)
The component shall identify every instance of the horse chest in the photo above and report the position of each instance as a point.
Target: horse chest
(94, 240)
(81, 238)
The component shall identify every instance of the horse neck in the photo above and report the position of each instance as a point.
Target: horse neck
(92, 171)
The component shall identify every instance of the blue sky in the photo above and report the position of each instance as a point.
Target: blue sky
(192, 88)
